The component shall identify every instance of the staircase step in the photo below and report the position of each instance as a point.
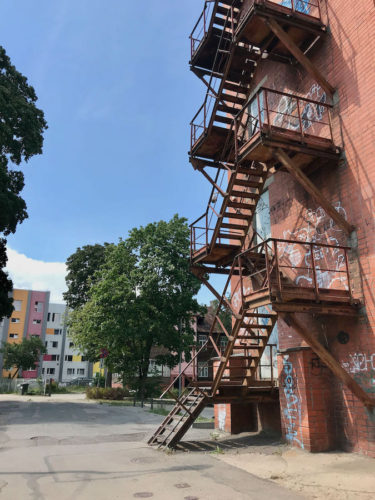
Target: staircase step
(252, 171)
(247, 347)
(228, 109)
(237, 204)
(234, 87)
(244, 194)
(230, 236)
(221, 21)
(247, 337)
(247, 183)
(256, 326)
(223, 119)
(233, 226)
(236, 216)
(249, 314)
(233, 98)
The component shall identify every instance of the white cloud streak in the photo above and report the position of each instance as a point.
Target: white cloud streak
(32, 274)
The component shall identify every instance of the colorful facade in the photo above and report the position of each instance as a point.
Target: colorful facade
(35, 316)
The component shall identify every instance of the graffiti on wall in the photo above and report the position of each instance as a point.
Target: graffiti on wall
(222, 414)
(362, 366)
(330, 262)
(292, 412)
(287, 110)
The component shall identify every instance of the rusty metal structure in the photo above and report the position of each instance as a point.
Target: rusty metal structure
(240, 136)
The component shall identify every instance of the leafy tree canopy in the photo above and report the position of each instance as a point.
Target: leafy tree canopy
(142, 296)
(23, 355)
(22, 126)
(82, 266)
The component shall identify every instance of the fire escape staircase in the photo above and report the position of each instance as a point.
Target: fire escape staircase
(265, 285)
(234, 219)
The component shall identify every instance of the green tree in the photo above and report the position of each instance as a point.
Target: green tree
(22, 126)
(82, 266)
(141, 296)
(22, 356)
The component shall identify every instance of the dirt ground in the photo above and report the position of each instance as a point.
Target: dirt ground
(323, 476)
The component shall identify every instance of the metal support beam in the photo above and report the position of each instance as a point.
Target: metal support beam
(327, 358)
(226, 303)
(299, 55)
(300, 177)
(212, 182)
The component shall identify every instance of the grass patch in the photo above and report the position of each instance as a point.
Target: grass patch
(203, 419)
(115, 403)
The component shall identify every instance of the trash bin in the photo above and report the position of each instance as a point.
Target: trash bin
(24, 389)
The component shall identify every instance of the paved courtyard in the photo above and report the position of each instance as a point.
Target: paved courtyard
(66, 448)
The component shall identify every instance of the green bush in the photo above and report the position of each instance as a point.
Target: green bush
(110, 393)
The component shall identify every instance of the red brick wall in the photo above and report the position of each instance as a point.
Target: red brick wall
(318, 413)
(328, 414)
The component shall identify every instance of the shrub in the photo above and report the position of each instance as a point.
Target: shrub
(110, 393)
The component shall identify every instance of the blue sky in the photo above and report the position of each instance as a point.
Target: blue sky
(113, 80)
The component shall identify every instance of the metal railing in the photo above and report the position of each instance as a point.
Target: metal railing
(201, 27)
(306, 8)
(271, 111)
(277, 265)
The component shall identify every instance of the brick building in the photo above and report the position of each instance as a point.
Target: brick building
(285, 136)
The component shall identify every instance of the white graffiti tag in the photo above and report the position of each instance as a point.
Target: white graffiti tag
(292, 412)
(330, 263)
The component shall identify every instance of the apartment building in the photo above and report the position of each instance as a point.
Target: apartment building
(29, 319)
(33, 315)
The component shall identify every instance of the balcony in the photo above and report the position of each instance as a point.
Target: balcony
(294, 276)
(296, 124)
(301, 19)
(213, 31)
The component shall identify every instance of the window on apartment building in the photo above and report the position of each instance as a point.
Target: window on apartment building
(71, 344)
(202, 339)
(38, 307)
(15, 320)
(17, 304)
(55, 344)
(57, 331)
(55, 357)
(71, 371)
(34, 335)
(49, 317)
(223, 342)
(13, 335)
(83, 358)
(37, 321)
(80, 371)
(68, 357)
(46, 343)
(203, 369)
(50, 371)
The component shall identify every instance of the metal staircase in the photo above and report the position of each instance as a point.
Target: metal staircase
(179, 420)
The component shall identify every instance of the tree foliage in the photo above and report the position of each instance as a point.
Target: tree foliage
(22, 126)
(82, 266)
(23, 355)
(142, 296)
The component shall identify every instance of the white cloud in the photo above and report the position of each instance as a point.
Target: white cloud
(34, 274)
